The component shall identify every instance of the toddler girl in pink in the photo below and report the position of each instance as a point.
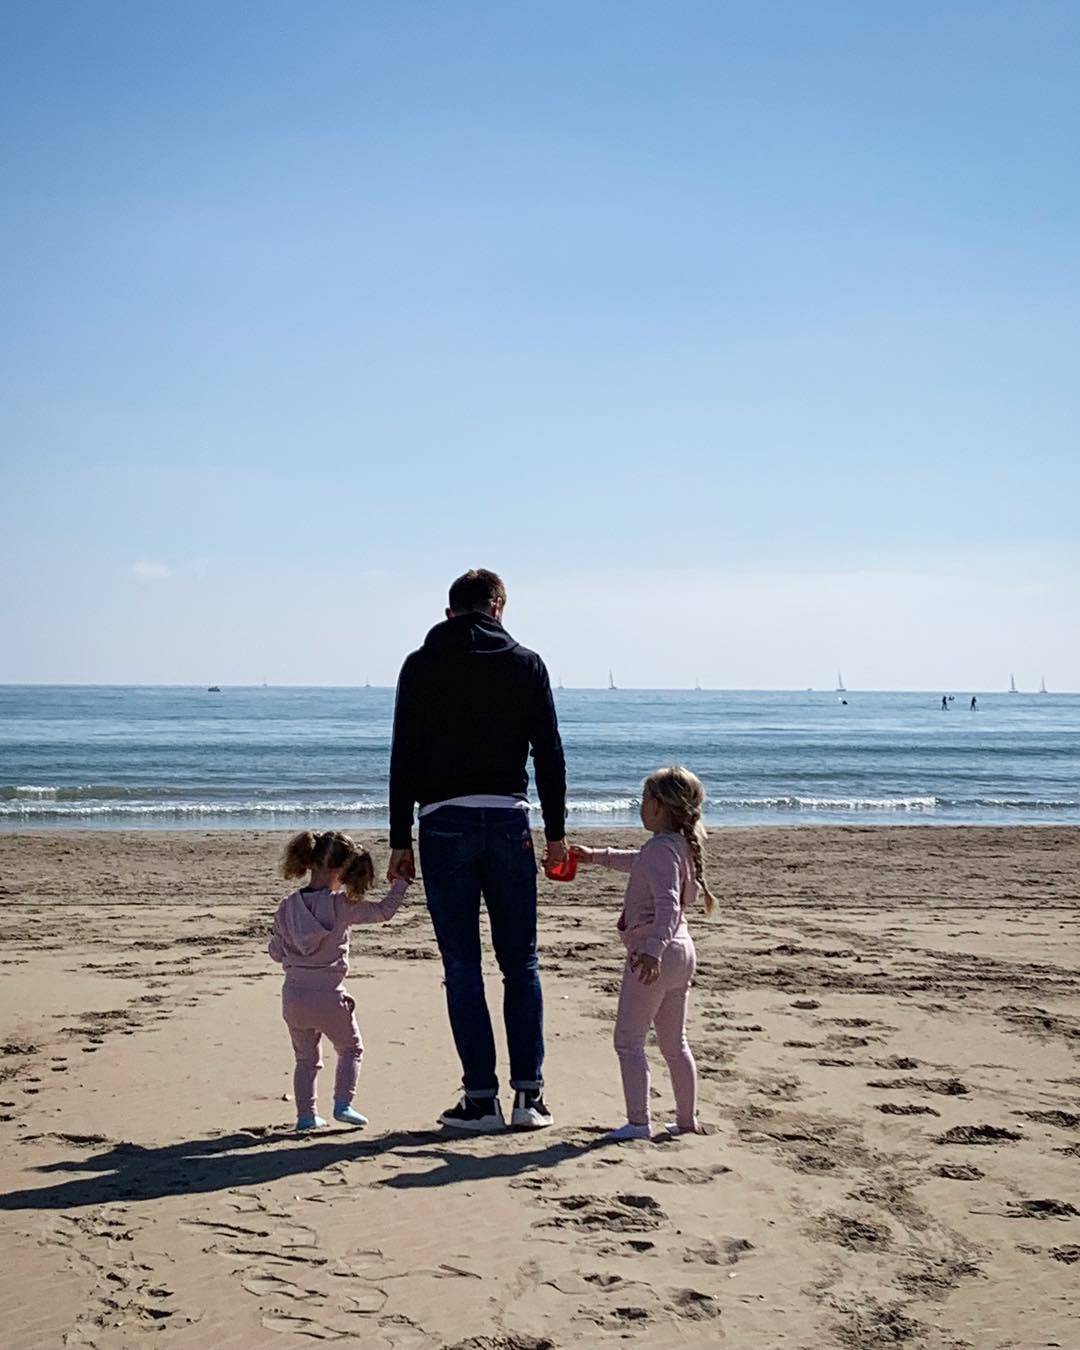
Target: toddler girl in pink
(665, 879)
(311, 940)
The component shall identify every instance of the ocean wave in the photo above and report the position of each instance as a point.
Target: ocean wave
(41, 803)
(166, 810)
(823, 803)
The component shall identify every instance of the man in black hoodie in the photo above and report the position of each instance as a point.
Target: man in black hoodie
(471, 703)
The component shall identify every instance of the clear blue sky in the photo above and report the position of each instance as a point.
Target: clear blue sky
(742, 337)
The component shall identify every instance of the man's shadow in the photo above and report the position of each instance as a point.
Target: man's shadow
(130, 1172)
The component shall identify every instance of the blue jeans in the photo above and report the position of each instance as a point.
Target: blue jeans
(465, 853)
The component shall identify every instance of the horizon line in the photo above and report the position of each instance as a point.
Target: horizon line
(936, 690)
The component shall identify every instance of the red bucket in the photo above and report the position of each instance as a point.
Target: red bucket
(562, 871)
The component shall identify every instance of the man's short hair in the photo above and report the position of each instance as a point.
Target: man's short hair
(477, 589)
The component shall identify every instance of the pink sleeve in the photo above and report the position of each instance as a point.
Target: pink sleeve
(617, 859)
(377, 911)
(663, 870)
(274, 948)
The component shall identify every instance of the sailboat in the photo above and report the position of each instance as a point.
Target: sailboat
(1042, 686)
(1012, 685)
(610, 680)
(561, 685)
(697, 686)
(840, 684)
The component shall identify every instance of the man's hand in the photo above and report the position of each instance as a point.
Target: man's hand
(555, 852)
(647, 967)
(402, 865)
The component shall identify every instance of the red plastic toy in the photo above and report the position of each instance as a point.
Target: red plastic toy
(562, 871)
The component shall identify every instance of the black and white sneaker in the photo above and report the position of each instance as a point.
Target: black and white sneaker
(530, 1110)
(477, 1115)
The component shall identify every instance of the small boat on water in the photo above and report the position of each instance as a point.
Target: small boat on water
(840, 684)
(611, 680)
(1012, 685)
(213, 688)
(1042, 686)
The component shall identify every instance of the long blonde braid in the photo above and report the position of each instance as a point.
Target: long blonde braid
(681, 794)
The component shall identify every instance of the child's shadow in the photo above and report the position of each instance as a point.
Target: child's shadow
(130, 1172)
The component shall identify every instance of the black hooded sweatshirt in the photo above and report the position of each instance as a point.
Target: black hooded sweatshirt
(470, 704)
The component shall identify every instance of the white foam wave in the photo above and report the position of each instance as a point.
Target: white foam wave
(33, 803)
(824, 803)
(77, 810)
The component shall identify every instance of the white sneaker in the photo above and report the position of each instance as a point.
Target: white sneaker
(475, 1115)
(628, 1131)
(530, 1110)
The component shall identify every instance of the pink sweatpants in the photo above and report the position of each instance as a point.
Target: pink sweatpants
(661, 1005)
(311, 1014)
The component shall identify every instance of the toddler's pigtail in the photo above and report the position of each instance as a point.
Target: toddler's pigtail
(299, 855)
(358, 874)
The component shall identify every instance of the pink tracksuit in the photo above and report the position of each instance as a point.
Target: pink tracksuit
(311, 940)
(653, 923)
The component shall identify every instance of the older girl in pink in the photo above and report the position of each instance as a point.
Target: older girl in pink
(666, 877)
(311, 941)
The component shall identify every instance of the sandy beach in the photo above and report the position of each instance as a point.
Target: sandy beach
(886, 1025)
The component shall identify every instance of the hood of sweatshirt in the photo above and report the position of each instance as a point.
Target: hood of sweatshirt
(470, 634)
(301, 928)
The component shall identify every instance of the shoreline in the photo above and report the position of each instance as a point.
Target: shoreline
(822, 865)
(14, 831)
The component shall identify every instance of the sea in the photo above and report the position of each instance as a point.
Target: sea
(167, 757)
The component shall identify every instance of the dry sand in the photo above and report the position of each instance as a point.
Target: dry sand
(886, 1025)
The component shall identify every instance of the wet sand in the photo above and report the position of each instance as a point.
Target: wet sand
(886, 1024)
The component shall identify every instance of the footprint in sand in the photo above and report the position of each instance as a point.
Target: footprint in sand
(673, 1176)
(265, 1283)
(695, 1306)
(613, 1214)
(726, 1251)
(1064, 1120)
(287, 1235)
(1042, 1209)
(978, 1134)
(959, 1172)
(304, 1326)
(857, 1235)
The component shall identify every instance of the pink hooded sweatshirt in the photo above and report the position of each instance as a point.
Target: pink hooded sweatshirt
(311, 933)
(662, 884)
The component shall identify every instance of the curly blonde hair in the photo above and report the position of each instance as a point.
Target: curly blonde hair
(682, 796)
(333, 850)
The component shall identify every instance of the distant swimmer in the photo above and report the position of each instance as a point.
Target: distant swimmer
(944, 703)
(974, 704)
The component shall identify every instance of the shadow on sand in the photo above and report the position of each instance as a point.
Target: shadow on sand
(131, 1172)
